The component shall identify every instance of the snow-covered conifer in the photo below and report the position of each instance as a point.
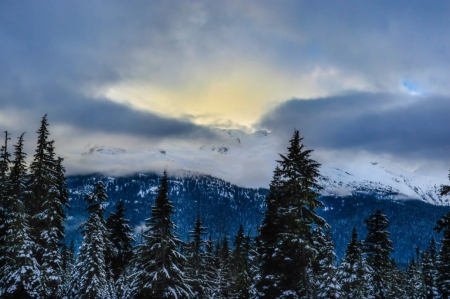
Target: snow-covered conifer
(241, 266)
(20, 275)
(5, 206)
(429, 270)
(354, 273)
(91, 276)
(200, 274)
(286, 234)
(122, 239)
(378, 248)
(158, 271)
(324, 267)
(222, 287)
(414, 281)
(443, 262)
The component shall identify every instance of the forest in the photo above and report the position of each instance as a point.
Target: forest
(291, 255)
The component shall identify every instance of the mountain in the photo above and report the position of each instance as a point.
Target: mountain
(383, 179)
(235, 155)
(224, 206)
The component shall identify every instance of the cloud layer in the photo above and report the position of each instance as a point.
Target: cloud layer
(402, 126)
(145, 72)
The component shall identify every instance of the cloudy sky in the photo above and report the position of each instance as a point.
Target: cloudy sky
(355, 77)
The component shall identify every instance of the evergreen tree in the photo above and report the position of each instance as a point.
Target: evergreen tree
(354, 273)
(122, 239)
(47, 196)
(241, 266)
(20, 274)
(286, 233)
(52, 218)
(324, 269)
(443, 263)
(429, 270)
(5, 206)
(67, 267)
(397, 282)
(414, 281)
(198, 271)
(270, 271)
(222, 287)
(159, 272)
(378, 248)
(90, 279)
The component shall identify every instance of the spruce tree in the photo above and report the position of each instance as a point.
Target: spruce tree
(397, 282)
(270, 270)
(290, 222)
(159, 272)
(414, 281)
(324, 268)
(67, 267)
(20, 274)
(429, 270)
(354, 273)
(122, 239)
(443, 263)
(200, 274)
(241, 266)
(5, 206)
(222, 284)
(47, 197)
(91, 276)
(52, 218)
(378, 248)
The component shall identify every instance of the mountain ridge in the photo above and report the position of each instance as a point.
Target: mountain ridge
(235, 155)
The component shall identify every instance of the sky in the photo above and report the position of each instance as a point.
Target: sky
(357, 78)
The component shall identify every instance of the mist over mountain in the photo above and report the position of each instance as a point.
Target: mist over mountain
(249, 159)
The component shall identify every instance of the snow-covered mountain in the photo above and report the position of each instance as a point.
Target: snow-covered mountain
(249, 159)
(383, 178)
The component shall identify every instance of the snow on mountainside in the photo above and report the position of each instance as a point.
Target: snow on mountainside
(235, 156)
(385, 179)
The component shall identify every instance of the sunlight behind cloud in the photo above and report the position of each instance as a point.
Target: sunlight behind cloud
(230, 97)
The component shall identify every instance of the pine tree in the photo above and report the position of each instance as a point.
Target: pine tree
(443, 263)
(122, 239)
(414, 281)
(354, 273)
(20, 274)
(290, 222)
(222, 287)
(241, 266)
(159, 272)
(429, 270)
(378, 248)
(52, 217)
(198, 271)
(90, 278)
(324, 268)
(268, 279)
(67, 267)
(397, 280)
(5, 206)
(47, 197)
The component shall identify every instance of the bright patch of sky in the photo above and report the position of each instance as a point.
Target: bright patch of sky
(411, 87)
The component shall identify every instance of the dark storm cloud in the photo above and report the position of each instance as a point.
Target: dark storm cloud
(380, 123)
(102, 115)
(53, 56)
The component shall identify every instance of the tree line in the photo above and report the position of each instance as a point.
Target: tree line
(292, 255)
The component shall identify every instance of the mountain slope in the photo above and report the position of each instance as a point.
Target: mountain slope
(249, 159)
(224, 206)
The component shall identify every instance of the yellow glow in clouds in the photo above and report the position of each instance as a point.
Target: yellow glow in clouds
(231, 98)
